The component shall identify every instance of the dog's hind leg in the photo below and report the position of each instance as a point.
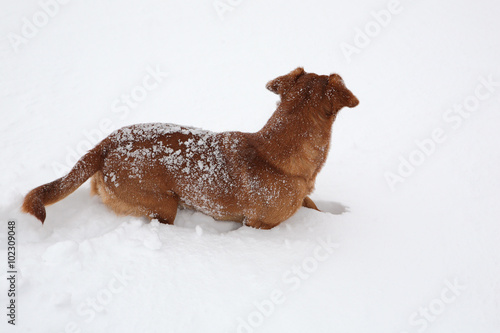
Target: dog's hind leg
(309, 204)
(257, 224)
(165, 210)
(154, 206)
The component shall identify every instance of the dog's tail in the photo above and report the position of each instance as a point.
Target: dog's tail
(36, 200)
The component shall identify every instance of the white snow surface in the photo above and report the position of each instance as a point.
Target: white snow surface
(421, 257)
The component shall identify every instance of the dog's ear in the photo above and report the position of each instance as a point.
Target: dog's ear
(339, 94)
(282, 83)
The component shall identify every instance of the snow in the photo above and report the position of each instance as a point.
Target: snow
(418, 253)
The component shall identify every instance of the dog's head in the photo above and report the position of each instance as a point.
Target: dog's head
(327, 90)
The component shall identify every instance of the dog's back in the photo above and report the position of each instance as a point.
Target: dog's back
(220, 174)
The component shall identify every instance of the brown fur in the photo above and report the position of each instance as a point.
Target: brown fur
(260, 179)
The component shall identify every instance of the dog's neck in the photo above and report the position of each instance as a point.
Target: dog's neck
(296, 142)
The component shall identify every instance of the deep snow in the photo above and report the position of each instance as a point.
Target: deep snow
(412, 254)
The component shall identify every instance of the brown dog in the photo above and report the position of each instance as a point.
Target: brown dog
(259, 179)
